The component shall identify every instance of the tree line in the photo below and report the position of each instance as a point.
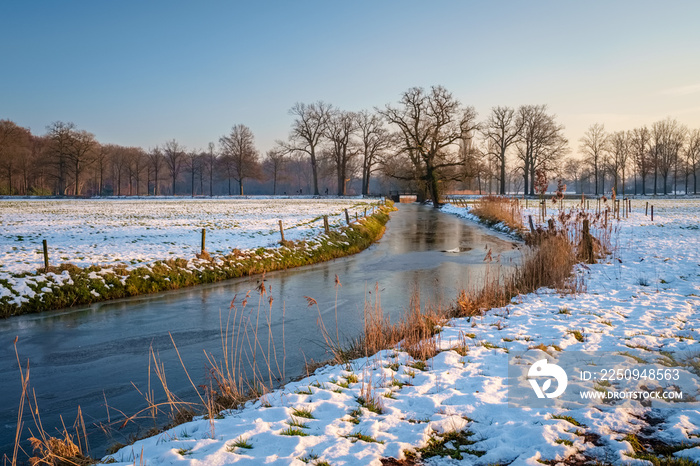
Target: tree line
(428, 143)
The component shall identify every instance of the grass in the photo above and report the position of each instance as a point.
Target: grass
(568, 419)
(365, 438)
(493, 210)
(657, 453)
(415, 332)
(450, 444)
(294, 422)
(171, 274)
(304, 413)
(369, 399)
(294, 431)
(578, 334)
(240, 442)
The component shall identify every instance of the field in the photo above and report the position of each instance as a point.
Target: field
(638, 310)
(127, 234)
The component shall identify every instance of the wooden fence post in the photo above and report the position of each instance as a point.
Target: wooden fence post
(204, 237)
(587, 243)
(46, 256)
(532, 225)
(325, 223)
(281, 231)
(646, 210)
(347, 217)
(652, 213)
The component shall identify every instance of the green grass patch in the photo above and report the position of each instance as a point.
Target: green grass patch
(171, 274)
(365, 438)
(658, 454)
(450, 444)
(240, 442)
(305, 413)
(568, 419)
(294, 431)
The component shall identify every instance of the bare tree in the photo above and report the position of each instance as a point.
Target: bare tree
(307, 131)
(155, 161)
(31, 168)
(474, 166)
(541, 144)
(339, 129)
(617, 158)
(60, 137)
(431, 125)
(274, 165)
(640, 140)
(240, 155)
(211, 157)
(173, 154)
(692, 156)
(137, 163)
(593, 144)
(668, 137)
(81, 153)
(14, 146)
(503, 128)
(374, 140)
(119, 159)
(101, 163)
(192, 164)
(573, 170)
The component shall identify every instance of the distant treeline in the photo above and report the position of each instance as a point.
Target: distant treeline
(429, 143)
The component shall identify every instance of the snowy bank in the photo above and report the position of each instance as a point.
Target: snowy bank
(454, 408)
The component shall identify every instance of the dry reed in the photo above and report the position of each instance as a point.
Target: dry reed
(68, 449)
(493, 210)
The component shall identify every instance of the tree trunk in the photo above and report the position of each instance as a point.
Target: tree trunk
(503, 172)
(314, 171)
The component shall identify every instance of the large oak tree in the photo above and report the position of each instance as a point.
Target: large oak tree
(430, 126)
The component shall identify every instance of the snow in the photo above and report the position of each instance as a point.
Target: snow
(138, 232)
(642, 299)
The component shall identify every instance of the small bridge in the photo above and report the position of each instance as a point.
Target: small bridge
(404, 197)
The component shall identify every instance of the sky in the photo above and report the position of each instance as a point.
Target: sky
(140, 73)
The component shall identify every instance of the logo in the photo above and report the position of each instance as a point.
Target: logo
(544, 369)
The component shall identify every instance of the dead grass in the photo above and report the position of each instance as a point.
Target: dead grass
(416, 332)
(250, 366)
(499, 209)
(68, 448)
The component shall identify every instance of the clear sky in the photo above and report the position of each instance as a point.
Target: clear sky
(143, 72)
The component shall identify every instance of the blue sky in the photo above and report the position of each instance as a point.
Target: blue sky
(143, 72)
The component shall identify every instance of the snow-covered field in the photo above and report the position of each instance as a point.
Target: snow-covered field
(642, 301)
(136, 232)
